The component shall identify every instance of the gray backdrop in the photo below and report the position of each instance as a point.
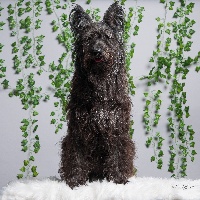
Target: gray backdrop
(47, 159)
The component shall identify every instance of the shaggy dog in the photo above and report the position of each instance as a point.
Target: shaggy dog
(98, 143)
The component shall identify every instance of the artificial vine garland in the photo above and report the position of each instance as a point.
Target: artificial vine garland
(170, 65)
(23, 22)
(5, 82)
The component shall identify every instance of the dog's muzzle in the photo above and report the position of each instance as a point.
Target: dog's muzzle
(97, 55)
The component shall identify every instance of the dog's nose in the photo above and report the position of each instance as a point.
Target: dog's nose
(97, 52)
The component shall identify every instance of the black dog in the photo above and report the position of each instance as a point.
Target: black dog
(98, 144)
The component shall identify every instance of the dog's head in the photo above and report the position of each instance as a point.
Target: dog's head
(98, 42)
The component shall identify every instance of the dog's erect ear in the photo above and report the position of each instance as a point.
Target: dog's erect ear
(79, 19)
(115, 18)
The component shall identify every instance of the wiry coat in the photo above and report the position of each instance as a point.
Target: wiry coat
(98, 144)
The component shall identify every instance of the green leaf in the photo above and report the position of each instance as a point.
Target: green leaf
(160, 154)
(153, 158)
(19, 176)
(193, 152)
(151, 59)
(11, 94)
(171, 3)
(197, 69)
(60, 126)
(171, 169)
(53, 121)
(5, 84)
(56, 104)
(146, 94)
(25, 135)
(52, 113)
(64, 6)
(26, 162)
(37, 137)
(148, 102)
(33, 169)
(158, 19)
(35, 113)
(172, 135)
(47, 97)
(192, 144)
(34, 121)
(28, 9)
(41, 58)
(35, 174)
(25, 148)
(23, 128)
(159, 166)
(24, 142)
(56, 131)
(39, 72)
(191, 31)
(160, 162)
(171, 148)
(97, 18)
(23, 169)
(35, 128)
(148, 142)
(55, 28)
(31, 158)
(63, 118)
(136, 28)
(36, 144)
(25, 122)
(168, 31)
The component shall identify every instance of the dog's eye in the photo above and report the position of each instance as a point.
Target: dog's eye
(108, 35)
(88, 38)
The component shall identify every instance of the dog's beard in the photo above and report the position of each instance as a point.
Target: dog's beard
(100, 65)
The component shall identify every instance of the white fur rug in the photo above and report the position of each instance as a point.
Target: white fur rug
(136, 189)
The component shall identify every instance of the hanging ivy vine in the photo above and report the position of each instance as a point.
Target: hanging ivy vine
(5, 82)
(61, 74)
(133, 18)
(27, 56)
(171, 67)
(60, 71)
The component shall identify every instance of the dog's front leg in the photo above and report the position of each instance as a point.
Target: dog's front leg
(119, 163)
(74, 169)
